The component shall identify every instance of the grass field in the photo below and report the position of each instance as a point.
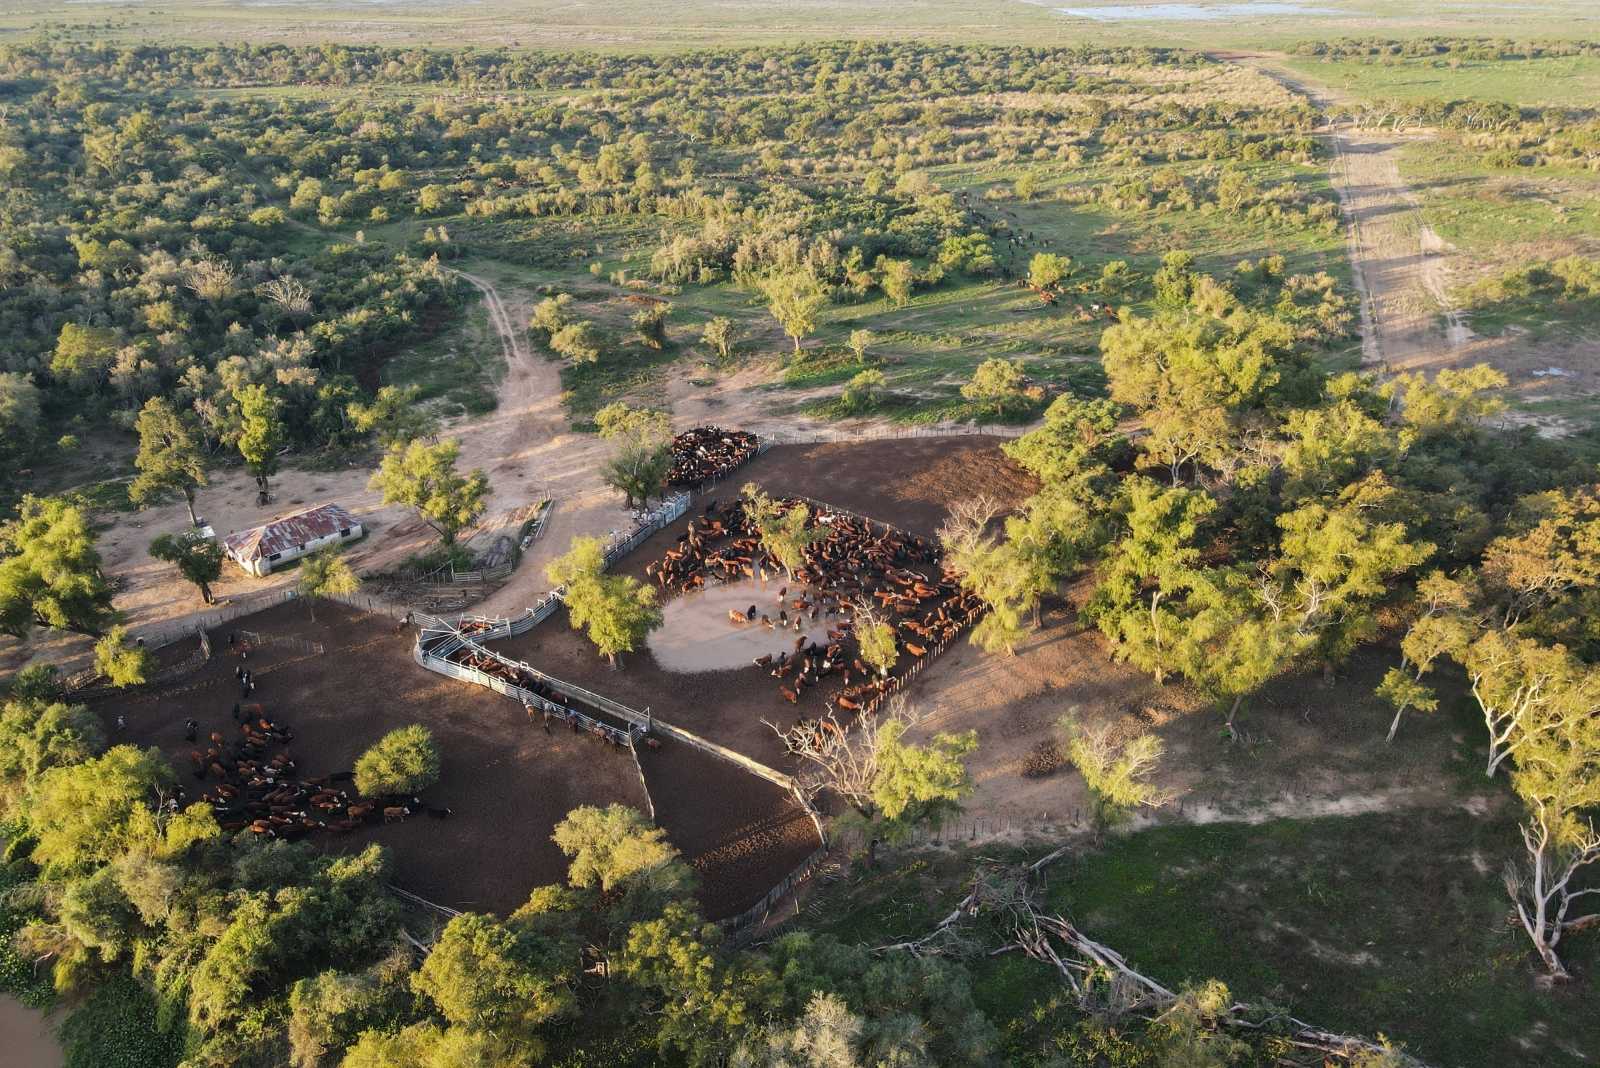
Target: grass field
(635, 24)
(1392, 924)
(1485, 209)
(1562, 81)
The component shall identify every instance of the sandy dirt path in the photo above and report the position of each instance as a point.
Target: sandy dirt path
(1399, 263)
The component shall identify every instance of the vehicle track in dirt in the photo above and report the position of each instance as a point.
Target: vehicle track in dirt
(1399, 264)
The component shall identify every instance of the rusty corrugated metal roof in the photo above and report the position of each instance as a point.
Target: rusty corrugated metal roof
(289, 532)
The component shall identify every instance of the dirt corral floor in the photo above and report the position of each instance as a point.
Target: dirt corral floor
(907, 483)
(506, 780)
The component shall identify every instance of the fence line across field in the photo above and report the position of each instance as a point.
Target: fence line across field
(837, 437)
(759, 912)
(299, 645)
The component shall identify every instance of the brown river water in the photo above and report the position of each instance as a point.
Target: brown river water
(27, 1039)
(697, 635)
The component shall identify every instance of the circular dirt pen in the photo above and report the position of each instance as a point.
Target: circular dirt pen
(697, 632)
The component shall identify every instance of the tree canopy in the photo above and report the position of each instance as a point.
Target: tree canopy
(424, 477)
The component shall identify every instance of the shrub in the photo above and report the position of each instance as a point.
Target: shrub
(404, 761)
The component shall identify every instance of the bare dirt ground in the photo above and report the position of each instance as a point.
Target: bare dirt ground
(1310, 747)
(907, 483)
(1398, 261)
(507, 780)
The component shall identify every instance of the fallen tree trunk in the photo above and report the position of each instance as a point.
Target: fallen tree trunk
(1101, 977)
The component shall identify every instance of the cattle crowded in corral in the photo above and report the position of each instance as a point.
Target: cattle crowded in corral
(899, 576)
(709, 452)
(256, 790)
(553, 703)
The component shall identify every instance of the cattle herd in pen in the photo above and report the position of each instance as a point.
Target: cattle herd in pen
(852, 570)
(253, 789)
(708, 452)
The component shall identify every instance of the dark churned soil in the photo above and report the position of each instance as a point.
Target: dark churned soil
(508, 783)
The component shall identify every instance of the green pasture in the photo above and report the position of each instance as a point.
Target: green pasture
(1559, 81)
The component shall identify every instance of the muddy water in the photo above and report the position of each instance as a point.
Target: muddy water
(697, 635)
(26, 1037)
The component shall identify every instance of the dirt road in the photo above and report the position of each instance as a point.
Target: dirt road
(1408, 321)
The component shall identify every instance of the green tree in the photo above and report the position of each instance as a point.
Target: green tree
(326, 573)
(899, 277)
(998, 386)
(795, 298)
(395, 415)
(404, 761)
(427, 1045)
(550, 315)
(1558, 778)
(643, 450)
(120, 662)
(21, 418)
(423, 476)
(1229, 643)
(488, 977)
(1047, 270)
(261, 431)
(433, 199)
(786, 533)
(1175, 279)
(921, 782)
(1455, 401)
(85, 815)
(169, 458)
(84, 354)
(37, 734)
(1199, 381)
(1437, 630)
(329, 1011)
(650, 324)
(615, 848)
(197, 558)
(1026, 185)
(616, 611)
(1146, 572)
(858, 342)
(721, 335)
(705, 1003)
(1335, 563)
(1078, 440)
(863, 392)
(50, 575)
(1116, 773)
(875, 638)
(580, 342)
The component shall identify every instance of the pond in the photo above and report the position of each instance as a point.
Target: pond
(698, 634)
(27, 1037)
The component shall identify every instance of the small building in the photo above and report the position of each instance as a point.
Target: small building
(261, 549)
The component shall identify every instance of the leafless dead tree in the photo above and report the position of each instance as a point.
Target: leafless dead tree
(290, 294)
(1542, 889)
(210, 278)
(846, 760)
(963, 531)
